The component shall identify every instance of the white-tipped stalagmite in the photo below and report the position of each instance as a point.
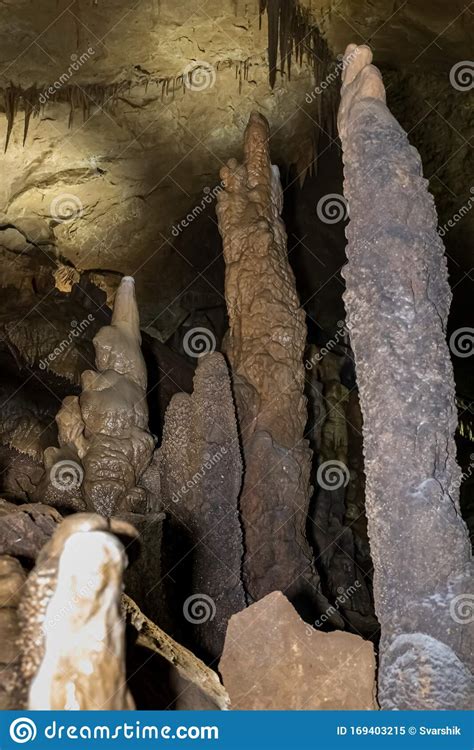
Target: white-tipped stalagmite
(397, 299)
(105, 429)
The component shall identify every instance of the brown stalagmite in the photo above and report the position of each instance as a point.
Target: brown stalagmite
(397, 302)
(265, 348)
(106, 428)
(71, 624)
(201, 476)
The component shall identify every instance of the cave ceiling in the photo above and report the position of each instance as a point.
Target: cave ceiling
(129, 142)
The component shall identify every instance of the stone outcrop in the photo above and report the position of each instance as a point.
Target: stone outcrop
(397, 302)
(272, 660)
(25, 529)
(201, 476)
(70, 619)
(265, 345)
(12, 579)
(104, 440)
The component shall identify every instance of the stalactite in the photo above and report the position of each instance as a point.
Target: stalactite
(201, 475)
(265, 349)
(397, 299)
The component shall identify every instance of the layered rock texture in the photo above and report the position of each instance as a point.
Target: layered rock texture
(103, 434)
(397, 303)
(201, 477)
(12, 579)
(70, 619)
(272, 660)
(265, 346)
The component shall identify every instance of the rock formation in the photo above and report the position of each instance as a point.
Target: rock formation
(104, 441)
(265, 347)
(12, 579)
(272, 660)
(70, 619)
(201, 476)
(333, 538)
(397, 303)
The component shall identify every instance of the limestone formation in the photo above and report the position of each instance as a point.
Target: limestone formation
(272, 660)
(265, 347)
(397, 302)
(201, 475)
(25, 529)
(12, 579)
(105, 429)
(70, 619)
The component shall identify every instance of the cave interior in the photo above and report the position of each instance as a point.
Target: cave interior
(227, 369)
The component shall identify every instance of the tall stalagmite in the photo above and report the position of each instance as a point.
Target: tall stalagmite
(201, 476)
(397, 302)
(106, 428)
(265, 348)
